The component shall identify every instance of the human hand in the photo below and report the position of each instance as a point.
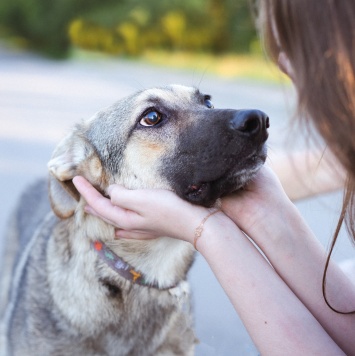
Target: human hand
(143, 213)
(255, 208)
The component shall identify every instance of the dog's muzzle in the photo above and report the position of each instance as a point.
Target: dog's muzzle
(220, 153)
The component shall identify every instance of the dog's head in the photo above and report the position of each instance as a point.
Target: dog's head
(171, 138)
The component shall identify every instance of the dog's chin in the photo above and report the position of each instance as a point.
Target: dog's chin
(207, 193)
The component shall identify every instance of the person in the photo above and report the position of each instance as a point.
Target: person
(279, 298)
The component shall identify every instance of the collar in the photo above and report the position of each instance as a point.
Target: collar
(122, 267)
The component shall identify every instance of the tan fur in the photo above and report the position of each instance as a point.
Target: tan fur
(72, 302)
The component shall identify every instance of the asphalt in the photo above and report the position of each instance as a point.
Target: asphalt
(40, 100)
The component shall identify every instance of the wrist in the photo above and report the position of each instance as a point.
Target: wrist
(259, 217)
(199, 228)
(218, 230)
(280, 231)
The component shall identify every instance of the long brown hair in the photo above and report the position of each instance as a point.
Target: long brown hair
(318, 38)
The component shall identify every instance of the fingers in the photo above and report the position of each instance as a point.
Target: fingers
(134, 235)
(102, 207)
(127, 198)
(124, 198)
(98, 203)
(91, 211)
(149, 211)
(119, 195)
(90, 194)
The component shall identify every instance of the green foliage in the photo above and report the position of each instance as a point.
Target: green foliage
(44, 23)
(131, 26)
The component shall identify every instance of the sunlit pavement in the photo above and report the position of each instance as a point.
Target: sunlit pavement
(40, 100)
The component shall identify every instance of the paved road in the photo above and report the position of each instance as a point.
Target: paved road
(40, 100)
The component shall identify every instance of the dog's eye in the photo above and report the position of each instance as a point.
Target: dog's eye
(151, 118)
(208, 103)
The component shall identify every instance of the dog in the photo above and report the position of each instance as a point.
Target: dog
(74, 290)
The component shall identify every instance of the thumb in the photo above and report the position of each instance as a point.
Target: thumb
(124, 198)
(86, 189)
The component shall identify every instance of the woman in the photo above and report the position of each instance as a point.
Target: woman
(282, 305)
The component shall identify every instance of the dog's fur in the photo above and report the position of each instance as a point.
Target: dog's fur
(63, 299)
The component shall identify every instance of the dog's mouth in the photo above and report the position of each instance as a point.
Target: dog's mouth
(207, 192)
(196, 191)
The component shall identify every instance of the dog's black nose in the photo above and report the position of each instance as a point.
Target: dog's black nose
(251, 123)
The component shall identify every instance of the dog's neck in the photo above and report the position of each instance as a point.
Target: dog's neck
(121, 267)
(164, 262)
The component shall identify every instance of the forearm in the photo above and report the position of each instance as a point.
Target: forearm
(307, 173)
(258, 293)
(299, 259)
(277, 321)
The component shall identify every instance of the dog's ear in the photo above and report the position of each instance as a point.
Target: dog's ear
(73, 156)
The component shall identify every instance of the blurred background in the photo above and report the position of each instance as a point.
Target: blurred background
(63, 60)
(179, 33)
(130, 27)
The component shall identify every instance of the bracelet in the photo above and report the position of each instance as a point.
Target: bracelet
(199, 229)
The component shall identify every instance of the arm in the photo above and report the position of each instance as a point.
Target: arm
(276, 319)
(274, 224)
(307, 173)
